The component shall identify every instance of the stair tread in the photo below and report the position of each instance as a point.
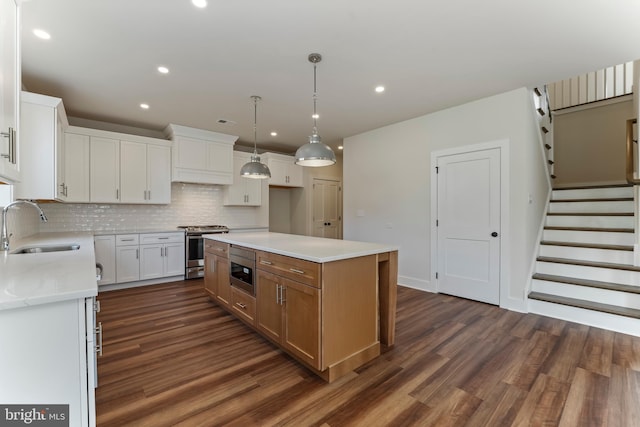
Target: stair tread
(589, 283)
(600, 229)
(611, 265)
(589, 305)
(590, 213)
(600, 199)
(591, 187)
(588, 245)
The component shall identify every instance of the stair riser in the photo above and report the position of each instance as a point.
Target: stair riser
(591, 207)
(587, 254)
(611, 322)
(604, 296)
(590, 221)
(592, 193)
(623, 277)
(595, 237)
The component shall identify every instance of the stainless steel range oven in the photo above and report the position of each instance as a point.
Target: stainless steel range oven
(194, 247)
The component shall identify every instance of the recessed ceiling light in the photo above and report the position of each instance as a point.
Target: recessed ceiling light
(274, 133)
(379, 89)
(315, 116)
(199, 3)
(42, 34)
(340, 147)
(144, 106)
(162, 69)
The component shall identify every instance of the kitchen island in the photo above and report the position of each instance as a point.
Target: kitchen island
(328, 303)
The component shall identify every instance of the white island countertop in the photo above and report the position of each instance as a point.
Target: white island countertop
(46, 277)
(315, 249)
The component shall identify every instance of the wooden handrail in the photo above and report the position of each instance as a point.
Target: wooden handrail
(630, 177)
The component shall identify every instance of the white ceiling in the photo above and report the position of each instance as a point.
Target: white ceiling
(430, 54)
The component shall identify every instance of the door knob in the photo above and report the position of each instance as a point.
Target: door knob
(494, 234)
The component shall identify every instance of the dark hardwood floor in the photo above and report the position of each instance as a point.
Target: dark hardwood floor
(172, 357)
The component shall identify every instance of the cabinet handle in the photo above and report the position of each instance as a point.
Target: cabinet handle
(66, 190)
(8, 135)
(163, 238)
(266, 262)
(137, 253)
(295, 270)
(282, 299)
(161, 252)
(99, 336)
(277, 294)
(126, 240)
(149, 194)
(241, 305)
(117, 194)
(96, 306)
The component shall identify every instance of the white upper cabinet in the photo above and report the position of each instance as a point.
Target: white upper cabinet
(44, 153)
(105, 170)
(284, 171)
(243, 191)
(200, 156)
(144, 173)
(10, 84)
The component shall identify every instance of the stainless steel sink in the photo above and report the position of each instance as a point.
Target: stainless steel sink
(52, 248)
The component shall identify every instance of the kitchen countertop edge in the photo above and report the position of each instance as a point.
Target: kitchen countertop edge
(314, 249)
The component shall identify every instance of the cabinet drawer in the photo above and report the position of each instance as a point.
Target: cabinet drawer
(126, 239)
(216, 248)
(293, 268)
(244, 305)
(150, 238)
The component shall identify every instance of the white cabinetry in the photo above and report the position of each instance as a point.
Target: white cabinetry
(55, 165)
(10, 84)
(127, 258)
(161, 255)
(144, 173)
(284, 171)
(146, 256)
(49, 357)
(75, 174)
(105, 170)
(201, 156)
(243, 191)
(105, 249)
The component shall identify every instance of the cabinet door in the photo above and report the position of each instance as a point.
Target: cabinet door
(211, 274)
(235, 194)
(219, 157)
(151, 261)
(295, 175)
(104, 170)
(9, 89)
(158, 174)
(301, 333)
(224, 286)
(133, 172)
(268, 308)
(278, 170)
(76, 168)
(127, 263)
(173, 259)
(105, 248)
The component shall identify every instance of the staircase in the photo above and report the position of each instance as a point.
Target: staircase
(584, 271)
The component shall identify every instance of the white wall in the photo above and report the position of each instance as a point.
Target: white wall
(387, 180)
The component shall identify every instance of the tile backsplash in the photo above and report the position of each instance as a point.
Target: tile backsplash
(191, 204)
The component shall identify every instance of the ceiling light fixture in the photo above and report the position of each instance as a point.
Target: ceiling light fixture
(379, 89)
(254, 168)
(274, 133)
(315, 153)
(144, 106)
(163, 70)
(42, 34)
(199, 3)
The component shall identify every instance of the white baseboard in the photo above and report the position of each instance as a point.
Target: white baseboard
(414, 283)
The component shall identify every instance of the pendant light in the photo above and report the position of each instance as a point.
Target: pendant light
(255, 169)
(315, 153)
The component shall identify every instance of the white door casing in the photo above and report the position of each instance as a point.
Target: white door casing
(468, 224)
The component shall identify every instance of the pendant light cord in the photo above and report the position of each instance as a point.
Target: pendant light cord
(315, 99)
(255, 126)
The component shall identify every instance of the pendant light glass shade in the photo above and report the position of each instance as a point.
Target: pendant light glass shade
(255, 169)
(315, 153)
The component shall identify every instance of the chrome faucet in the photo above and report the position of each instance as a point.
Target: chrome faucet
(4, 238)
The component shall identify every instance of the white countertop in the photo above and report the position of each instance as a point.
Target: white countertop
(41, 278)
(315, 249)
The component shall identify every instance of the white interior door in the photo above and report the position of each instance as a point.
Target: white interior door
(469, 225)
(326, 208)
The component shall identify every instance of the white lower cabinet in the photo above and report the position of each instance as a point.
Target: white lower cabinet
(161, 255)
(127, 258)
(49, 357)
(143, 256)
(105, 249)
